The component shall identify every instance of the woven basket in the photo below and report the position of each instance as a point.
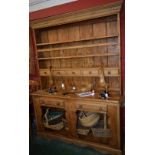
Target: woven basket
(53, 117)
(89, 119)
(54, 123)
(55, 120)
(99, 131)
(82, 130)
(57, 126)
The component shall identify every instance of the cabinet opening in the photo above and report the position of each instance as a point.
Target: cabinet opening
(93, 127)
(54, 119)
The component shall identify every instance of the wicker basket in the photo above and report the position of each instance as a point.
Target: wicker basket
(53, 117)
(82, 130)
(88, 119)
(57, 126)
(54, 122)
(100, 131)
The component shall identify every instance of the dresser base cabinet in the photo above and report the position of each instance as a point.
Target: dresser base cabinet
(71, 107)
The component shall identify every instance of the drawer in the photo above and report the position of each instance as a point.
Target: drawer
(111, 72)
(44, 72)
(90, 72)
(73, 72)
(59, 73)
(67, 73)
(91, 107)
(52, 102)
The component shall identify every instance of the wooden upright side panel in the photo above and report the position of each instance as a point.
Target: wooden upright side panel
(113, 61)
(113, 116)
(111, 30)
(45, 39)
(38, 114)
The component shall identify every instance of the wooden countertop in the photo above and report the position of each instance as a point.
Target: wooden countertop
(43, 93)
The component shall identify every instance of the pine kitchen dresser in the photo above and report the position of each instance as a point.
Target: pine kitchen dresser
(76, 53)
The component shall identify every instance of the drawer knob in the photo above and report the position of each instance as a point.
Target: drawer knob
(58, 103)
(90, 72)
(45, 72)
(73, 72)
(109, 72)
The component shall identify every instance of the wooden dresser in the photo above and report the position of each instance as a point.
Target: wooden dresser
(80, 52)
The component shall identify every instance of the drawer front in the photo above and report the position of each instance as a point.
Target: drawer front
(52, 103)
(44, 72)
(73, 72)
(111, 72)
(90, 72)
(67, 73)
(59, 73)
(91, 107)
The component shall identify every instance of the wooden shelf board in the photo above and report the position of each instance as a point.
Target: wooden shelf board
(69, 41)
(76, 47)
(79, 56)
(86, 68)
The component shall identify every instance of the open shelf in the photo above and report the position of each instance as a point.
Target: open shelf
(76, 47)
(80, 56)
(69, 41)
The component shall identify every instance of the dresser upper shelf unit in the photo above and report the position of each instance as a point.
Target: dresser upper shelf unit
(75, 51)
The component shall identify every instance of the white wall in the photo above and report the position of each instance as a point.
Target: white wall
(35, 5)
